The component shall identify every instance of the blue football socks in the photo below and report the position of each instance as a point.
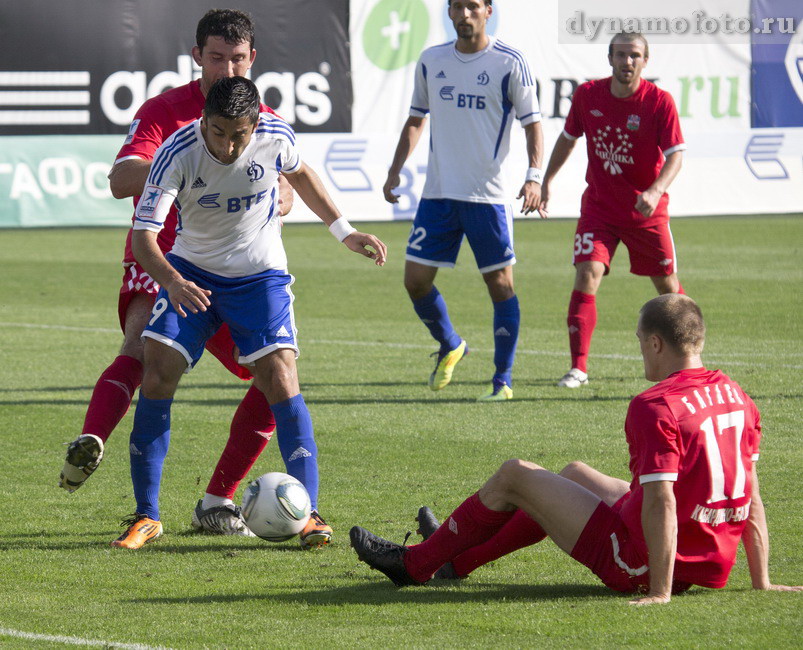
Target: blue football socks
(507, 318)
(431, 309)
(149, 441)
(297, 443)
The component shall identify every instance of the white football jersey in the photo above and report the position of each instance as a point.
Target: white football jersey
(228, 220)
(473, 99)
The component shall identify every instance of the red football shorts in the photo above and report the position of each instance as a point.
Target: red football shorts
(651, 248)
(221, 345)
(605, 546)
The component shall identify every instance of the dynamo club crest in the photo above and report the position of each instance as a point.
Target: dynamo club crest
(255, 171)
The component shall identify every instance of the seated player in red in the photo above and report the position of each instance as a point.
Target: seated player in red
(693, 440)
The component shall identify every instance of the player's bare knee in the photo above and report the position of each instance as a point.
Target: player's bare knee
(588, 278)
(511, 474)
(666, 283)
(573, 470)
(416, 289)
(134, 348)
(158, 385)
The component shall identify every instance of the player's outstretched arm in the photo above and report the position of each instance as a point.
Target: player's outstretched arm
(660, 525)
(410, 134)
(560, 154)
(756, 540)
(311, 190)
(648, 200)
(531, 189)
(181, 292)
(128, 178)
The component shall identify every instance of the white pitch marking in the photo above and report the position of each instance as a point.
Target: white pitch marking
(713, 360)
(75, 640)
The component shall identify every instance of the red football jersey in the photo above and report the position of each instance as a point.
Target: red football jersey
(627, 141)
(699, 429)
(156, 120)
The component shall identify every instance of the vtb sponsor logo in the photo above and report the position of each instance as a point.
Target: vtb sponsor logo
(234, 203)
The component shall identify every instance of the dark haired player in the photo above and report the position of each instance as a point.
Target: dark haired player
(224, 48)
(635, 150)
(227, 265)
(693, 496)
(473, 88)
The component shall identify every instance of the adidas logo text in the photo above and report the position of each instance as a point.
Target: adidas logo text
(197, 183)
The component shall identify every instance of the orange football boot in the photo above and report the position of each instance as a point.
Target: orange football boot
(141, 530)
(316, 534)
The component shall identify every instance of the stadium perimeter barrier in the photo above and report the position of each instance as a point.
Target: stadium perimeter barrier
(344, 81)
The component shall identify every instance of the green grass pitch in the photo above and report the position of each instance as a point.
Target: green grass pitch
(387, 446)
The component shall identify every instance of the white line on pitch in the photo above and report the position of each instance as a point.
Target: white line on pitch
(727, 358)
(75, 640)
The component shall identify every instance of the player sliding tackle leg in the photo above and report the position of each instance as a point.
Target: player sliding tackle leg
(228, 266)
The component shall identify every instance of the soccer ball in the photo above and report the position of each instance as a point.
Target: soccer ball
(276, 507)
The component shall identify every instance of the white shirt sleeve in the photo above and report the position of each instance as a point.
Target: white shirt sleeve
(420, 105)
(291, 160)
(521, 92)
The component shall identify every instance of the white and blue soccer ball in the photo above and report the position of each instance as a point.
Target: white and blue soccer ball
(276, 507)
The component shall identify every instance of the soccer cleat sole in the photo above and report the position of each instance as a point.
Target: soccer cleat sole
(315, 540)
(83, 458)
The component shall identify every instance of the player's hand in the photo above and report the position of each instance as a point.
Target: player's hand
(781, 588)
(362, 243)
(531, 193)
(647, 201)
(658, 599)
(542, 206)
(183, 293)
(391, 184)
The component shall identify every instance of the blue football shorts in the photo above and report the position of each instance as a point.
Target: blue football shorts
(439, 227)
(257, 308)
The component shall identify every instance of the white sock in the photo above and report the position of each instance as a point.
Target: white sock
(212, 501)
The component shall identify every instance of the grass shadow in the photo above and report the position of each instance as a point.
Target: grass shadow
(381, 593)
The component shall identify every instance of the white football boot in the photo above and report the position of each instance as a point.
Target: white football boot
(573, 379)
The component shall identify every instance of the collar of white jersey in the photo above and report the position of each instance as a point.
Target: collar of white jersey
(468, 58)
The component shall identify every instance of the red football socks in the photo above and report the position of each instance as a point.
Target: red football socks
(582, 320)
(469, 525)
(517, 533)
(251, 430)
(112, 396)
